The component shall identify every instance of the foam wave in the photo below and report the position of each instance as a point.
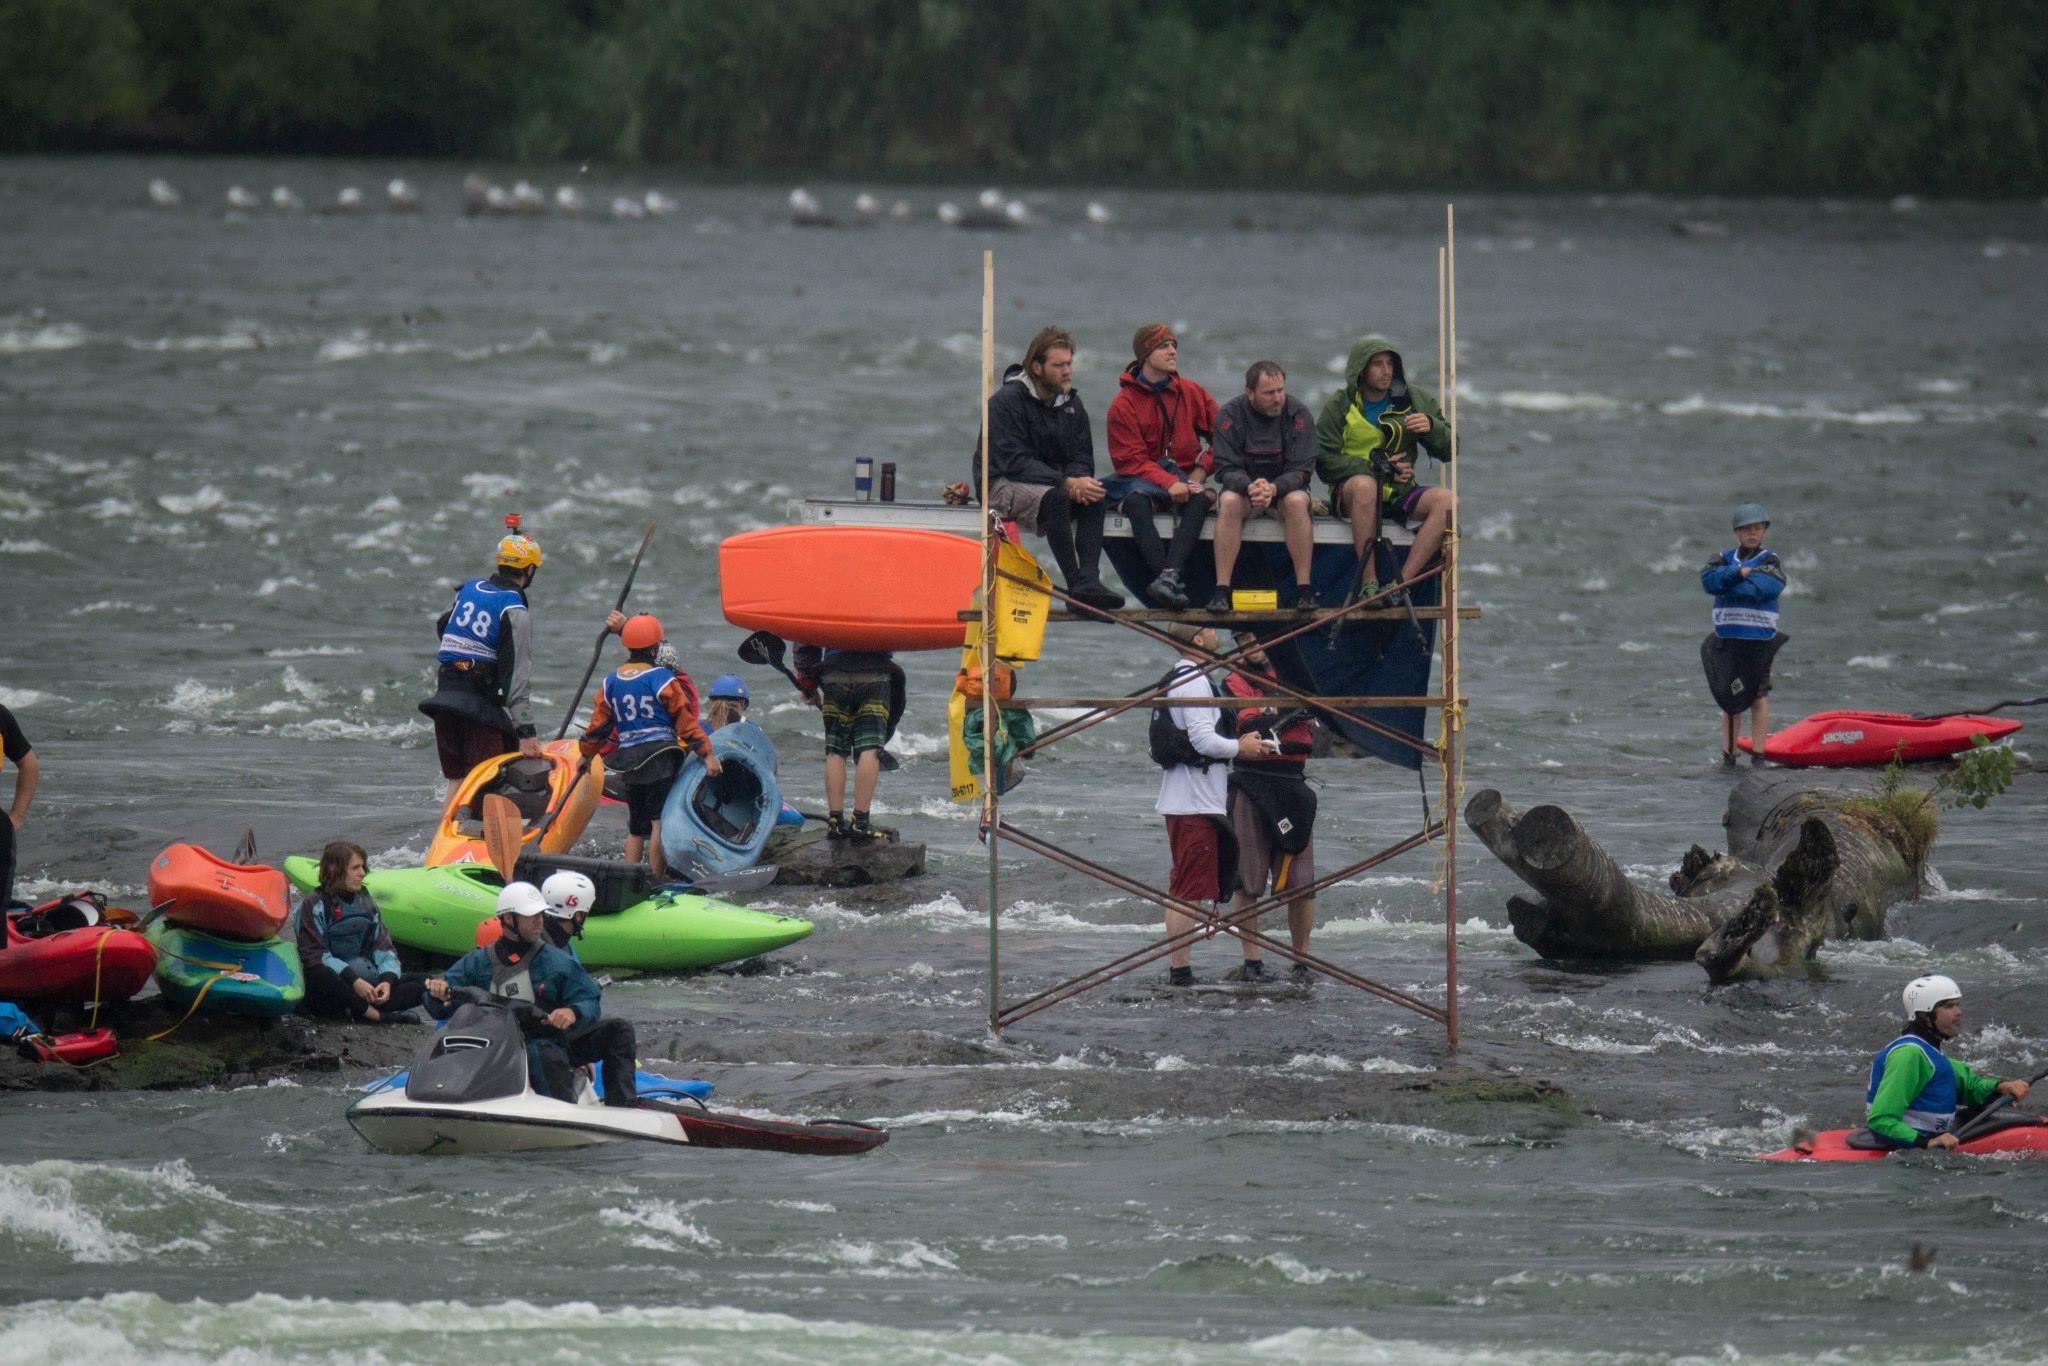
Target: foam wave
(23, 698)
(69, 1208)
(1806, 412)
(21, 341)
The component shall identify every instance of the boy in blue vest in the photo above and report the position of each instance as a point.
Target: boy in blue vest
(1744, 583)
(650, 711)
(1914, 1091)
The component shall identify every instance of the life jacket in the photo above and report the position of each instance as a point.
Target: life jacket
(633, 693)
(1933, 1111)
(1167, 739)
(514, 980)
(1743, 618)
(474, 622)
(349, 929)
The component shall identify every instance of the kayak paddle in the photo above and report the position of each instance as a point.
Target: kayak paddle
(1977, 1125)
(582, 767)
(501, 833)
(598, 652)
(765, 647)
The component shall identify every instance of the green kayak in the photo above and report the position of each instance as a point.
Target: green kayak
(227, 976)
(659, 929)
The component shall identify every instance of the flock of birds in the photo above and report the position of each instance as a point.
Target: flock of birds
(992, 211)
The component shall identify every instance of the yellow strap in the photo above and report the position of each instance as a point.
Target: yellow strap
(189, 1009)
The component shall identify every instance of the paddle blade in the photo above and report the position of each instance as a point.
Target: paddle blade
(762, 647)
(501, 833)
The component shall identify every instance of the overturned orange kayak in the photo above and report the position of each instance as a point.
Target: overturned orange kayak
(208, 893)
(535, 786)
(851, 587)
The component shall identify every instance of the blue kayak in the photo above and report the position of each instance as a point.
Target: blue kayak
(711, 826)
(228, 976)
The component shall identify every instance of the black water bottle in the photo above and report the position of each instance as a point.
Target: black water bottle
(888, 481)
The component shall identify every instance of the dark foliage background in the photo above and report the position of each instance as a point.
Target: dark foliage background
(1739, 95)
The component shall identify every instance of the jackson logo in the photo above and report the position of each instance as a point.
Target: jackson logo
(1840, 737)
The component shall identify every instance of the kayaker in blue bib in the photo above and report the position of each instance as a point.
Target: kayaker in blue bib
(1745, 582)
(485, 666)
(649, 712)
(1916, 1094)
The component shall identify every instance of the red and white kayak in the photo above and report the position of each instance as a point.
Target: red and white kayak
(2025, 1135)
(1840, 739)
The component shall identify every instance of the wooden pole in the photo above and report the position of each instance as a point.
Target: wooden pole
(1454, 708)
(991, 811)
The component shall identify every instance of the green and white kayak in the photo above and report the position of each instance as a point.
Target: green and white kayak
(438, 909)
(262, 978)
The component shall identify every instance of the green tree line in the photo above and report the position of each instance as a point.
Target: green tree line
(1725, 95)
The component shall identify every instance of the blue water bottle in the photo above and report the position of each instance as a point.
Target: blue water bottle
(863, 478)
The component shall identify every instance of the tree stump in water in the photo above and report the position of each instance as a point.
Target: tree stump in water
(1804, 869)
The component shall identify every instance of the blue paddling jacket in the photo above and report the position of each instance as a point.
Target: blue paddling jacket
(557, 979)
(1744, 608)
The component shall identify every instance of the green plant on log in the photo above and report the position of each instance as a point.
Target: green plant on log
(1901, 814)
(1983, 772)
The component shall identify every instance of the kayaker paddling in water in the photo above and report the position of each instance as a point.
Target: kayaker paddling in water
(1916, 1095)
(350, 965)
(1745, 582)
(1366, 439)
(571, 897)
(521, 965)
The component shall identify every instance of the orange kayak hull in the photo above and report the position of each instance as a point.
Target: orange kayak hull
(208, 893)
(459, 838)
(851, 588)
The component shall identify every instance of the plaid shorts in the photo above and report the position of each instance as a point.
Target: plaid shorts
(856, 716)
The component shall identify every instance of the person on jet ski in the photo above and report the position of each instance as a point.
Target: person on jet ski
(608, 1040)
(521, 965)
(1915, 1092)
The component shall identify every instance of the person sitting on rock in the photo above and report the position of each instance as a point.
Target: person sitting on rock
(345, 950)
(1916, 1095)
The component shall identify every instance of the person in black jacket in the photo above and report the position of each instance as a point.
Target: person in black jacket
(28, 771)
(1041, 463)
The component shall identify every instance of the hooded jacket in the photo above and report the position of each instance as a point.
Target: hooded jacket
(1031, 440)
(1250, 445)
(1158, 435)
(1336, 462)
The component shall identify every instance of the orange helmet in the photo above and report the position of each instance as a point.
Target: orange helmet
(641, 633)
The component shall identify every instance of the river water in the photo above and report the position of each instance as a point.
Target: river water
(241, 460)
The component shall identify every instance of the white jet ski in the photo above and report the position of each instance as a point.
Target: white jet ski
(468, 1092)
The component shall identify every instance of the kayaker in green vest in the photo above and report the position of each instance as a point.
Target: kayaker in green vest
(1915, 1093)
(1366, 439)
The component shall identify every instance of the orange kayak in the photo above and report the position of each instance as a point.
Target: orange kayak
(851, 588)
(535, 786)
(209, 893)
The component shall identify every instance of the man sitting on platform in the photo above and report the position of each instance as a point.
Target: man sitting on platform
(1041, 463)
(1366, 439)
(1265, 453)
(1159, 432)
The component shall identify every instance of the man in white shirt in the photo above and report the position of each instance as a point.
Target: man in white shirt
(1192, 797)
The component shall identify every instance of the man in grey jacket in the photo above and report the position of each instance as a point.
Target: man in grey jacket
(1265, 451)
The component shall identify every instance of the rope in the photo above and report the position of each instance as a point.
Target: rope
(165, 1034)
(221, 971)
(1980, 711)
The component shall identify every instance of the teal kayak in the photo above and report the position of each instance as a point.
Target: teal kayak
(438, 909)
(262, 978)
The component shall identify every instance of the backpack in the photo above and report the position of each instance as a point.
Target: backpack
(1167, 740)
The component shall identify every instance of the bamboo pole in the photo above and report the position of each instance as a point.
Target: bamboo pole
(1454, 710)
(990, 808)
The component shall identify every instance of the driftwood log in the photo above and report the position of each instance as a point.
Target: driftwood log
(1802, 870)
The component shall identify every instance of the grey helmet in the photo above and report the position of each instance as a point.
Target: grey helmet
(1749, 514)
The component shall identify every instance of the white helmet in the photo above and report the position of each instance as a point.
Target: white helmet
(521, 898)
(569, 895)
(1925, 993)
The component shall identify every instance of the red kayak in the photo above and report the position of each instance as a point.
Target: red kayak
(1841, 739)
(819, 1137)
(208, 893)
(2026, 1135)
(98, 962)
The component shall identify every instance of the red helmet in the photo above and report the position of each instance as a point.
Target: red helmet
(641, 633)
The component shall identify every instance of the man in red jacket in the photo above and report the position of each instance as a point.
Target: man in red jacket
(1159, 430)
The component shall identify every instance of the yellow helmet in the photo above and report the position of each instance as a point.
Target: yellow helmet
(519, 552)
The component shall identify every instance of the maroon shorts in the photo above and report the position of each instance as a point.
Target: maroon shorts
(463, 745)
(1204, 858)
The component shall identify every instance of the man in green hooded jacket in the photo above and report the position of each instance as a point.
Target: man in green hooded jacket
(1366, 439)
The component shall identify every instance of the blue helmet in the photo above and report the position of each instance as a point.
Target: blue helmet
(728, 685)
(1749, 514)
